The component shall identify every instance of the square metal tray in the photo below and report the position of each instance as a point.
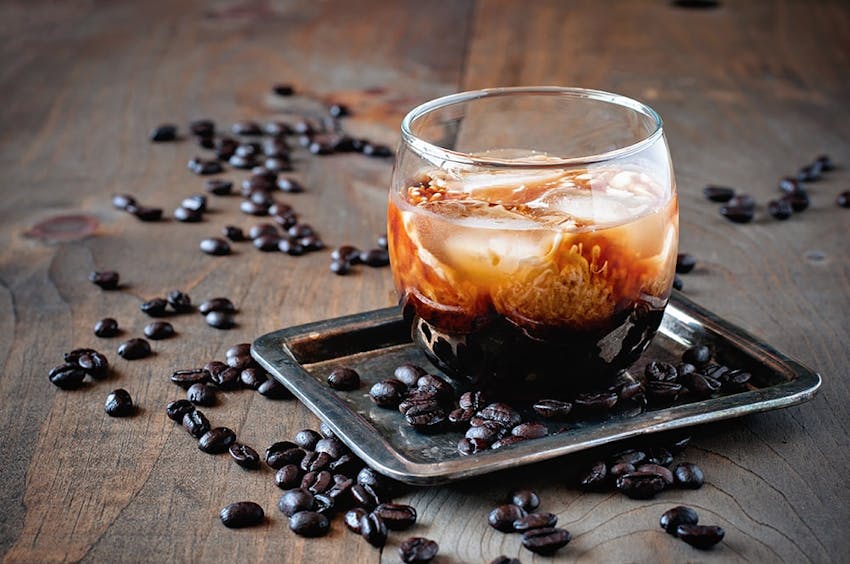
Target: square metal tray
(375, 342)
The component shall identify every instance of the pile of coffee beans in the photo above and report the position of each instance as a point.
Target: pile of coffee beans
(682, 522)
(519, 515)
(346, 256)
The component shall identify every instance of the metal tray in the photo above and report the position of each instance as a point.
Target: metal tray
(375, 342)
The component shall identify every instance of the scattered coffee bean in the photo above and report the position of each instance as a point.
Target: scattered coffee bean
(535, 521)
(680, 515)
(283, 89)
(196, 423)
(215, 246)
(811, 172)
(158, 330)
(220, 319)
(737, 214)
(340, 267)
(702, 537)
(94, 364)
(164, 132)
(780, 209)
(660, 456)
(374, 530)
(799, 201)
(641, 485)
(718, 193)
(179, 301)
(546, 540)
(288, 477)
(344, 378)
(735, 380)
(375, 257)
(309, 524)
(282, 453)
(242, 514)
(106, 327)
(216, 440)
(201, 394)
(144, 213)
(274, 390)
(552, 409)
(121, 201)
(233, 233)
(252, 378)
(119, 404)
(67, 376)
(468, 446)
(185, 215)
(107, 280)
(248, 128)
(502, 518)
(266, 243)
(204, 167)
(689, 476)
(289, 185)
(387, 393)
(595, 402)
(660, 371)
(789, 185)
(134, 349)
(530, 430)
(378, 151)
(219, 187)
(295, 501)
(155, 307)
(175, 410)
(677, 283)
(216, 304)
(657, 469)
(685, 263)
(698, 355)
(843, 199)
(417, 549)
(396, 516)
(526, 499)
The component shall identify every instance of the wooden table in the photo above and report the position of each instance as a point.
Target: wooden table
(749, 92)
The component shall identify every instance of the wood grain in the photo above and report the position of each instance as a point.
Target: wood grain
(749, 92)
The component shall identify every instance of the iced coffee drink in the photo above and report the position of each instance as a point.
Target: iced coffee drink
(521, 265)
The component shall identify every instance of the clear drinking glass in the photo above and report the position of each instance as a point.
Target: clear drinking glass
(533, 233)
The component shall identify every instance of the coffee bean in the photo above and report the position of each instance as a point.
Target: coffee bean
(660, 456)
(218, 187)
(258, 192)
(334, 448)
(309, 524)
(680, 515)
(737, 214)
(489, 432)
(263, 229)
(307, 439)
(155, 307)
(825, 162)
(375, 257)
(242, 514)
(702, 537)
(660, 371)
(134, 349)
(289, 185)
(735, 380)
(685, 263)
(630, 456)
(94, 364)
(378, 151)
(718, 193)
(164, 132)
(204, 167)
(250, 207)
(510, 440)
(502, 518)
(121, 201)
(701, 385)
(396, 516)
(201, 394)
(346, 253)
(67, 376)
(619, 469)
(244, 456)
(657, 469)
(158, 330)
(502, 559)
(74, 355)
(546, 540)
(119, 404)
(663, 392)
(233, 233)
(364, 497)
(810, 172)
(202, 127)
(324, 503)
(530, 430)
(282, 453)
(595, 402)
(252, 378)
(789, 185)
(698, 355)
(144, 213)
(216, 304)
(347, 464)
(283, 89)
(196, 423)
(374, 530)
(552, 409)
(106, 327)
(185, 378)
(274, 390)
(799, 201)
(295, 501)
(352, 519)
(677, 283)
(535, 521)
(187, 216)
(379, 483)
(107, 280)
(266, 243)
(240, 362)
(688, 476)
(278, 163)
(501, 413)
(179, 301)
(340, 268)
(216, 440)
(417, 549)
(316, 482)
(215, 246)
(467, 446)
(248, 128)
(426, 417)
(387, 393)
(277, 129)
(460, 416)
(220, 319)
(288, 477)
(526, 499)
(843, 199)
(344, 378)
(315, 461)
(641, 485)
(175, 410)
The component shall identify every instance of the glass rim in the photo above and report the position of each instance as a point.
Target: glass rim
(423, 147)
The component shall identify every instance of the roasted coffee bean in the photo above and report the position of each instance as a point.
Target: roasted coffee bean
(660, 456)
(264, 173)
(220, 319)
(340, 268)
(288, 477)
(316, 481)
(215, 246)
(277, 129)
(338, 110)
(552, 409)
(251, 207)
(718, 193)
(460, 416)
(535, 521)
(680, 515)
(426, 418)
(289, 185)
(347, 463)
(185, 215)
(331, 446)
(473, 400)
(320, 147)
(660, 371)
(657, 469)
(737, 214)
(595, 478)
(94, 364)
(344, 378)
(74, 355)
(546, 540)
(595, 402)
(381, 484)
(700, 384)
(396, 516)
(204, 167)
(444, 390)
(409, 374)
(502, 414)
(202, 127)
(241, 361)
(311, 243)
(825, 162)
(244, 456)
(274, 390)
(119, 404)
(735, 380)
(683, 369)
(218, 187)
(121, 201)
(283, 452)
(530, 430)
(663, 392)
(510, 440)
(144, 213)
(417, 549)
(843, 199)
(242, 514)
(175, 410)
(309, 524)
(698, 355)
(201, 394)
(374, 530)
(375, 150)
(324, 503)
(685, 263)
(262, 229)
(526, 499)
(503, 517)
(216, 304)
(789, 185)
(300, 230)
(240, 349)
(164, 132)
(364, 497)
(179, 301)
(260, 196)
(677, 283)
(387, 393)
(278, 162)
(799, 201)
(307, 439)
(186, 378)
(196, 423)
(227, 379)
(243, 161)
(233, 233)
(467, 446)
(214, 367)
(347, 253)
(295, 501)
(283, 89)
(375, 257)
(326, 431)
(641, 485)
(810, 172)
(315, 461)
(246, 127)
(252, 378)
(266, 243)
(352, 519)
(155, 307)
(158, 330)
(216, 440)
(107, 279)
(134, 349)
(502, 559)
(489, 432)
(743, 201)
(702, 537)
(688, 476)
(619, 469)
(780, 209)
(289, 246)
(630, 456)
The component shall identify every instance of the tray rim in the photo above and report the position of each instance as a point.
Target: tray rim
(372, 448)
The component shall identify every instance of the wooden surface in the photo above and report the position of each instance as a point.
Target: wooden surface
(749, 92)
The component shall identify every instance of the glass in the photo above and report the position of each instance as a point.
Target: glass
(533, 233)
